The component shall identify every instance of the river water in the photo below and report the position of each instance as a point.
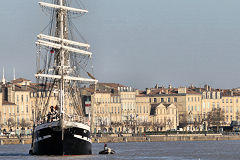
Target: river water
(200, 150)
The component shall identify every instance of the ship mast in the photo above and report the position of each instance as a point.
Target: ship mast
(63, 48)
(62, 62)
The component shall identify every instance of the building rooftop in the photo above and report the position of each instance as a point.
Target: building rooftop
(20, 80)
(7, 103)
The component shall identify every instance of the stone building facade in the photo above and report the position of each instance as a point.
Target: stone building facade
(115, 108)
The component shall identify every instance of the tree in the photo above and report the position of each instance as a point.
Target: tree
(116, 124)
(183, 120)
(102, 125)
(237, 116)
(1, 124)
(215, 118)
(158, 125)
(24, 123)
(11, 123)
(146, 125)
(169, 123)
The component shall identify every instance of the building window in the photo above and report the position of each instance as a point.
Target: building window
(4, 110)
(155, 100)
(162, 99)
(22, 98)
(213, 105)
(26, 98)
(236, 100)
(218, 105)
(17, 98)
(168, 99)
(175, 99)
(222, 100)
(230, 100)
(27, 108)
(18, 122)
(226, 100)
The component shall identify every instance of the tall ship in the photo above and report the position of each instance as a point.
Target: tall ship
(64, 68)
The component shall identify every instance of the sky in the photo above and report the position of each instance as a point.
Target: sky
(137, 43)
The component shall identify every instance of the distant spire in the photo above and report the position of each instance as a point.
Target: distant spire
(14, 74)
(3, 77)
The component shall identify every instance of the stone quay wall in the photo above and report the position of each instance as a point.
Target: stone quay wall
(148, 138)
(166, 138)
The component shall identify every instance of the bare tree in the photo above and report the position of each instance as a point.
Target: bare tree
(116, 124)
(102, 125)
(24, 123)
(169, 123)
(11, 123)
(1, 124)
(157, 126)
(183, 120)
(237, 116)
(215, 118)
(146, 125)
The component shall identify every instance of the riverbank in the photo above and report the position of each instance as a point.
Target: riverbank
(148, 138)
(167, 138)
(15, 140)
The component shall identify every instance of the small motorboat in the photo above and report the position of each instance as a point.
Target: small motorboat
(107, 151)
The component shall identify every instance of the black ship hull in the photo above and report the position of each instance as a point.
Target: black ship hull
(57, 139)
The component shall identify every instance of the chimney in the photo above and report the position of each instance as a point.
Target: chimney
(231, 92)
(182, 90)
(206, 87)
(148, 91)
(137, 92)
(166, 91)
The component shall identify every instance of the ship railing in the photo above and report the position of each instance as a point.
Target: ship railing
(76, 118)
(49, 118)
(71, 118)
